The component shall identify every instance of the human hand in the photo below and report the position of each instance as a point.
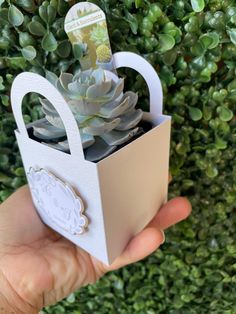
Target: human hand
(38, 267)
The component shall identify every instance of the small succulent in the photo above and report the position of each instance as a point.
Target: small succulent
(86, 11)
(99, 35)
(106, 116)
(103, 54)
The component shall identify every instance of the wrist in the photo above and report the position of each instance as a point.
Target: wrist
(11, 302)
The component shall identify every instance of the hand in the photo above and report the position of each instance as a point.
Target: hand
(38, 267)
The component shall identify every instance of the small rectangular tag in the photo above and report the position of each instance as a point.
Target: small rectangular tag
(86, 27)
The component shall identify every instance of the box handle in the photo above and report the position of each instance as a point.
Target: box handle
(138, 63)
(27, 82)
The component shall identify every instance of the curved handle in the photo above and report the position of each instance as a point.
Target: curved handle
(27, 82)
(138, 63)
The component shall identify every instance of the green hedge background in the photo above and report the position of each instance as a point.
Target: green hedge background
(192, 45)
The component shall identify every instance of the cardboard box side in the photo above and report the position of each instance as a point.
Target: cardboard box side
(84, 180)
(134, 185)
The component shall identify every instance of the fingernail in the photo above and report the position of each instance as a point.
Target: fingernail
(164, 237)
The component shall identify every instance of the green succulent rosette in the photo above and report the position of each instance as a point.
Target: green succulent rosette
(106, 116)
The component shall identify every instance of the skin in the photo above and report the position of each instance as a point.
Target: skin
(38, 267)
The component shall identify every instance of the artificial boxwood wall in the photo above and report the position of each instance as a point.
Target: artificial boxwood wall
(192, 45)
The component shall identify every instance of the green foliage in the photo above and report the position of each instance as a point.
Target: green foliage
(192, 45)
(198, 5)
(15, 16)
(29, 52)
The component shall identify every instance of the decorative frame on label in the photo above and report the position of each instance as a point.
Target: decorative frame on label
(58, 201)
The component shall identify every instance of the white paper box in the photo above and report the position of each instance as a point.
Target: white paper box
(122, 192)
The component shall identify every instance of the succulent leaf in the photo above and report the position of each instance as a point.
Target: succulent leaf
(78, 88)
(118, 137)
(62, 90)
(65, 79)
(55, 146)
(99, 150)
(46, 105)
(99, 90)
(98, 126)
(87, 140)
(116, 90)
(115, 108)
(133, 99)
(81, 120)
(81, 107)
(47, 131)
(99, 75)
(64, 145)
(119, 107)
(130, 120)
(54, 119)
(51, 77)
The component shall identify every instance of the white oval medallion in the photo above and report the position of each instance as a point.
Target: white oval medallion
(58, 201)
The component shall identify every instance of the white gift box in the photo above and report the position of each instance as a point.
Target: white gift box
(98, 206)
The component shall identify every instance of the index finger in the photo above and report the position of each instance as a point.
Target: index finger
(171, 213)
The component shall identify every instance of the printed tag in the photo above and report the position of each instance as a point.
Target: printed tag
(86, 27)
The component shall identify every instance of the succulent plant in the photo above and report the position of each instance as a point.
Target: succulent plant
(105, 115)
(103, 54)
(99, 35)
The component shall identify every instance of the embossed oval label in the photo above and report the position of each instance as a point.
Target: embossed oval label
(58, 201)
